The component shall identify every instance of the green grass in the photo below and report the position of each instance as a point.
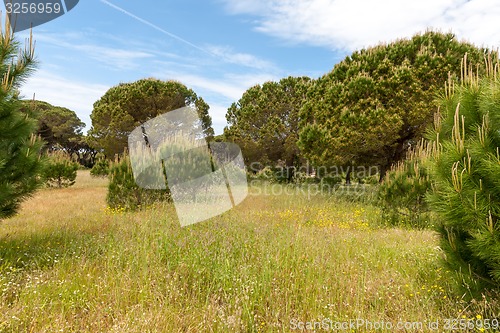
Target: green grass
(69, 264)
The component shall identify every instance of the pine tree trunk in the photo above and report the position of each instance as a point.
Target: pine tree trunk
(348, 176)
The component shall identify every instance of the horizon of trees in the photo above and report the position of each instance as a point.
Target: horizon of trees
(367, 111)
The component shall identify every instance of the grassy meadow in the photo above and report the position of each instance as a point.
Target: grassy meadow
(69, 264)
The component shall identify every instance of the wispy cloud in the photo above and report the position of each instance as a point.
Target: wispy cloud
(113, 57)
(154, 26)
(220, 87)
(246, 6)
(352, 24)
(219, 93)
(231, 87)
(117, 58)
(228, 55)
(218, 114)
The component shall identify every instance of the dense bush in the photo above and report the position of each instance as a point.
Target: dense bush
(466, 177)
(101, 168)
(60, 170)
(20, 163)
(123, 191)
(278, 174)
(402, 193)
(266, 174)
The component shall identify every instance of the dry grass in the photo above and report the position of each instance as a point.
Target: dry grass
(69, 264)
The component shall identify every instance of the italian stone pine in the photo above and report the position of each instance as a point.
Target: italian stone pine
(466, 176)
(377, 102)
(127, 105)
(265, 121)
(20, 162)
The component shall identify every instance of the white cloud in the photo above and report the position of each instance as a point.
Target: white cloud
(117, 58)
(218, 114)
(246, 6)
(113, 57)
(353, 24)
(245, 81)
(231, 87)
(228, 55)
(59, 91)
(219, 93)
(226, 89)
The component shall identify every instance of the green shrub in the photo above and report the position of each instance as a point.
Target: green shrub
(402, 193)
(266, 174)
(370, 180)
(60, 170)
(332, 181)
(304, 178)
(20, 162)
(466, 177)
(101, 168)
(123, 191)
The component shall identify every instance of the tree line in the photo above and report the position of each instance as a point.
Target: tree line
(367, 111)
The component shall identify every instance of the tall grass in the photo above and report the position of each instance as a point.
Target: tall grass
(69, 264)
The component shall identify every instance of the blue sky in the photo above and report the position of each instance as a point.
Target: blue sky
(220, 48)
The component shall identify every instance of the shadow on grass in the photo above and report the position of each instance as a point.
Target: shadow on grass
(41, 251)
